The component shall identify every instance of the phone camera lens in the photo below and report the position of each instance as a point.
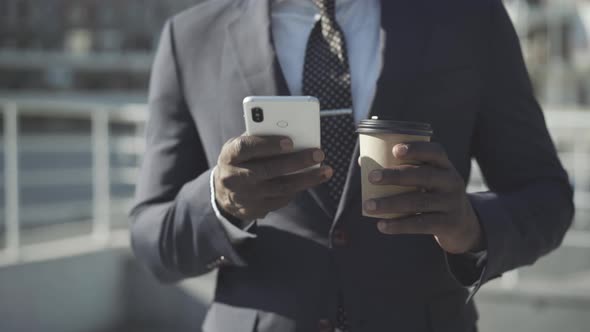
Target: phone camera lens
(257, 114)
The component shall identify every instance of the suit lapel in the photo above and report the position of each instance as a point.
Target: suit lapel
(406, 28)
(253, 51)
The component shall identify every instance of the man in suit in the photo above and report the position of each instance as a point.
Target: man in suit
(294, 252)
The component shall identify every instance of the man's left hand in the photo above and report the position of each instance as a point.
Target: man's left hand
(440, 207)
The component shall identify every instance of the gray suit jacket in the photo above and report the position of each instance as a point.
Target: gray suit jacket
(454, 64)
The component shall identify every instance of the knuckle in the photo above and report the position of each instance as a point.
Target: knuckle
(228, 151)
(420, 220)
(242, 211)
(236, 197)
(245, 174)
(392, 175)
(240, 145)
(235, 179)
(227, 181)
(423, 203)
(264, 170)
(429, 176)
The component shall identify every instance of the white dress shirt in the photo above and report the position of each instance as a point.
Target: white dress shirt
(291, 22)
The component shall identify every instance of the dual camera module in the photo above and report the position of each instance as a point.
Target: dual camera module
(257, 114)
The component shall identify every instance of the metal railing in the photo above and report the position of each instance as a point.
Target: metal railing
(570, 129)
(101, 118)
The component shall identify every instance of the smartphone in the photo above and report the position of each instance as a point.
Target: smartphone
(295, 117)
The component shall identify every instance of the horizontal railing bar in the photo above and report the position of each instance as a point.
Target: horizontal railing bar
(121, 61)
(133, 113)
(72, 246)
(76, 143)
(567, 117)
(69, 211)
(577, 239)
(71, 176)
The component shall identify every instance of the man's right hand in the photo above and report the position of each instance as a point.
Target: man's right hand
(254, 175)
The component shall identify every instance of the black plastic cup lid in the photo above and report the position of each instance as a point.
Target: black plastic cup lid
(378, 126)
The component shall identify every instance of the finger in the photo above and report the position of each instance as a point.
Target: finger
(294, 183)
(426, 152)
(412, 202)
(426, 223)
(422, 176)
(285, 164)
(245, 148)
(275, 203)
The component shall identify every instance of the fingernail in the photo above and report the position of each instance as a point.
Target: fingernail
(318, 156)
(327, 172)
(370, 205)
(376, 176)
(382, 226)
(400, 150)
(286, 144)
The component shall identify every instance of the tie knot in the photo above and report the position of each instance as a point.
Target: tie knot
(327, 7)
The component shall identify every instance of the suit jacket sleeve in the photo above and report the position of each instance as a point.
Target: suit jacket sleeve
(174, 229)
(529, 206)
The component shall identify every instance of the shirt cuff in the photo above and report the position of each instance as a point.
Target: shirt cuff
(235, 234)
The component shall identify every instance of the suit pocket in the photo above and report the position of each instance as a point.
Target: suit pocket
(226, 318)
(450, 313)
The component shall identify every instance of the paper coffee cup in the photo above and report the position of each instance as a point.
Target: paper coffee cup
(377, 138)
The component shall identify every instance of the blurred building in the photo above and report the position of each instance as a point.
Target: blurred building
(81, 44)
(94, 45)
(555, 36)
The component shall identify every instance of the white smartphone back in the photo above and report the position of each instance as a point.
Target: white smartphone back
(295, 117)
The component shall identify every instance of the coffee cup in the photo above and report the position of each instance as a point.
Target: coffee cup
(377, 137)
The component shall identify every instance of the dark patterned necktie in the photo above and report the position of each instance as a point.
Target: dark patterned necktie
(326, 75)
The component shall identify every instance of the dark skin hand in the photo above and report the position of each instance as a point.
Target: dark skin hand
(254, 175)
(440, 208)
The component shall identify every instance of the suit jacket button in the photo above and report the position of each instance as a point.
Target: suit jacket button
(340, 237)
(324, 325)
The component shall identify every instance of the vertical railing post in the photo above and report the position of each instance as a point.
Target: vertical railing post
(11, 191)
(139, 139)
(100, 175)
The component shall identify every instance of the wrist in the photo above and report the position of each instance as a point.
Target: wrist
(477, 243)
(220, 208)
(239, 223)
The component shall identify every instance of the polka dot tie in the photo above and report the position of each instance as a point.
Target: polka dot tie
(326, 75)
